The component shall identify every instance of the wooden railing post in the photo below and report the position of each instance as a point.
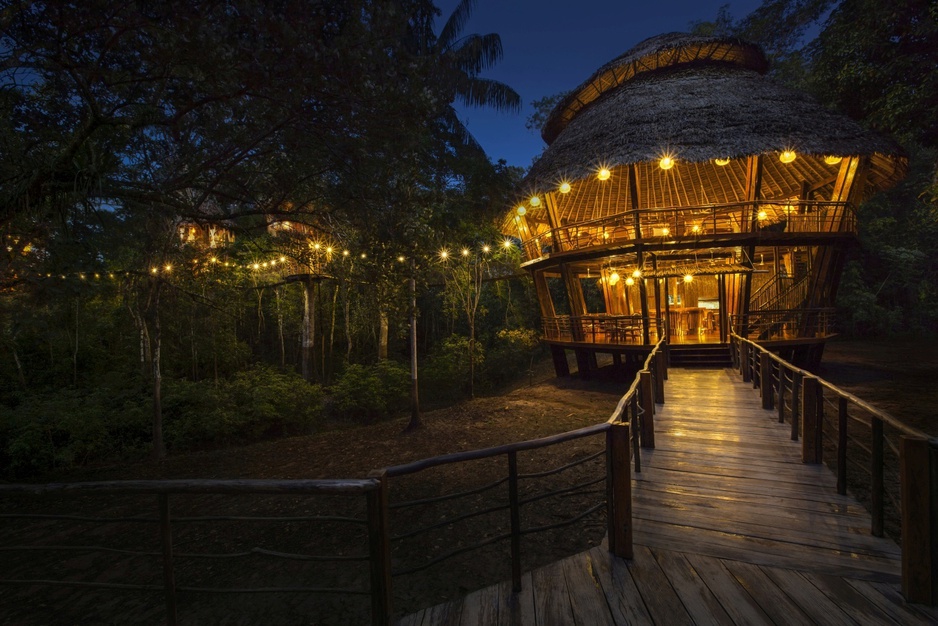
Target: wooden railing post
(797, 384)
(379, 545)
(515, 507)
(166, 541)
(917, 461)
(842, 446)
(744, 361)
(782, 380)
(634, 425)
(812, 415)
(876, 477)
(666, 362)
(621, 533)
(648, 405)
(765, 381)
(660, 376)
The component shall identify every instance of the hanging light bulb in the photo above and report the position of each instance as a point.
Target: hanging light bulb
(722, 162)
(603, 174)
(465, 251)
(666, 162)
(833, 160)
(762, 215)
(688, 278)
(629, 281)
(521, 210)
(787, 156)
(486, 249)
(535, 201)
(613, 278)
(507, 244)
(564, 187)
(637, 273)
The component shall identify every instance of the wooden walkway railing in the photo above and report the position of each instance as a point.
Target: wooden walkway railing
(630, 427)
(901, 462)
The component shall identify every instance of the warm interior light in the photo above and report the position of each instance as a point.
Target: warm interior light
(666, 162)
(564, 187)
(688, 278)
(762, 215)
(787, 156)
(637, 273)
(613, 278)
(833, 160)
(695, 228)
(521, 210)
(722, 162)
(629, 281)
(603, 174)
(665, 231)
(535, 201)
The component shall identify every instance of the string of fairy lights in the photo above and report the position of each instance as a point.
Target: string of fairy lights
(320, 256)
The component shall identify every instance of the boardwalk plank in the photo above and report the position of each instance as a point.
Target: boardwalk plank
(773, 601)
(739, 605)
(480, 608)
(891, 602)
(551, 600)
(586, 594)
(622, 597)
(860, 609)
(660, 599)
(517, 609)
(817, 605)
(699, 601)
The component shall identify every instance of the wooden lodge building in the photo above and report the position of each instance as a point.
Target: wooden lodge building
(684, 193)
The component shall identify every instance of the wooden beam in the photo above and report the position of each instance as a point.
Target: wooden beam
(553, 218)
(753, 193)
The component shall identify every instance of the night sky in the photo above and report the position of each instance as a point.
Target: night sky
(552, 46)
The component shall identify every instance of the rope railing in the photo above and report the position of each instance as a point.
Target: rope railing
(821, 415)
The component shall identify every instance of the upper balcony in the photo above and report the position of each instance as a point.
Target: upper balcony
(763, 222)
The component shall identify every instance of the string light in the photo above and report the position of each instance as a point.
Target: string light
(507, 244)
(486, 249)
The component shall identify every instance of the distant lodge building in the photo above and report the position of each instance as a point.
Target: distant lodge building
(684, 194)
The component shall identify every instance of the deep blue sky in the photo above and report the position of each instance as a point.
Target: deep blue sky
(552, 46)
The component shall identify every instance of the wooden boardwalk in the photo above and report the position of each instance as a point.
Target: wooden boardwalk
(729, 527)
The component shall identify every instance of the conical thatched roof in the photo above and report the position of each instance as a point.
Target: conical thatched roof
(697, 99)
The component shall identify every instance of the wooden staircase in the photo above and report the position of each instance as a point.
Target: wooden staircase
(707, 355)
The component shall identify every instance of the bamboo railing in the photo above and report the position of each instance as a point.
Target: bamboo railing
(628, 429)
(691, 223)
(899, 461)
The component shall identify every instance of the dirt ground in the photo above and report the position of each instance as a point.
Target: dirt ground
(899, 377)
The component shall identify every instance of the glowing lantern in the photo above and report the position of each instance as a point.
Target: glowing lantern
(613, 278)
(833, 160)
(521, 210)
(666, 162)
(629, 281)
(535, 201)
(565, 187)
(722, 162)
(688, 278)
(787, 156)
(603, 174)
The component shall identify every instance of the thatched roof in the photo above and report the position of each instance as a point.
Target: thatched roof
(697, 99)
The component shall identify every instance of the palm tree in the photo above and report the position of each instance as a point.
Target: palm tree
(461, 58)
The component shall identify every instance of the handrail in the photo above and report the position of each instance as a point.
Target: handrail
(630, 420)
(915, 469)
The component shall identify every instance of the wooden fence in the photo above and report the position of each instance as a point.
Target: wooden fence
(630, 427)
(898, 463)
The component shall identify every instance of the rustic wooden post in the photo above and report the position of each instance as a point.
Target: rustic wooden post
(811, 416)
(797, 384)
(842, 446)
(782, 380)
(379, 545)
(610, 493)
(648, 404)
(919, 540)
(765, 381)
(876, 477)
(661, 375)
(621, 536)
(515, 507)
(166, 540)
(666, 362)
(634, 424)
(744, 361)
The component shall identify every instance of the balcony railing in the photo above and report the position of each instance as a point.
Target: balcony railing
(784, 324)
(604, 329)
(690, 223)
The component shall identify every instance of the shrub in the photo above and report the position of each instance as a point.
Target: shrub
(511, 356)
(445, 374)
(369, 393)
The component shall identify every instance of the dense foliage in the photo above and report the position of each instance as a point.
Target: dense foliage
(202, 209)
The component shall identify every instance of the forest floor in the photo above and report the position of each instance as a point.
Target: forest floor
(883, 373)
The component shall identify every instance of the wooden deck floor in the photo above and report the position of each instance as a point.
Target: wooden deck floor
(730, 527)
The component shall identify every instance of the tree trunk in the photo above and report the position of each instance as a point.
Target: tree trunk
(335, 300)
(159, 450)
(283, 352)
(415, 422)
(472, 359)
(75, 350)
(348, 323)
(383, 334)
(309, 323)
